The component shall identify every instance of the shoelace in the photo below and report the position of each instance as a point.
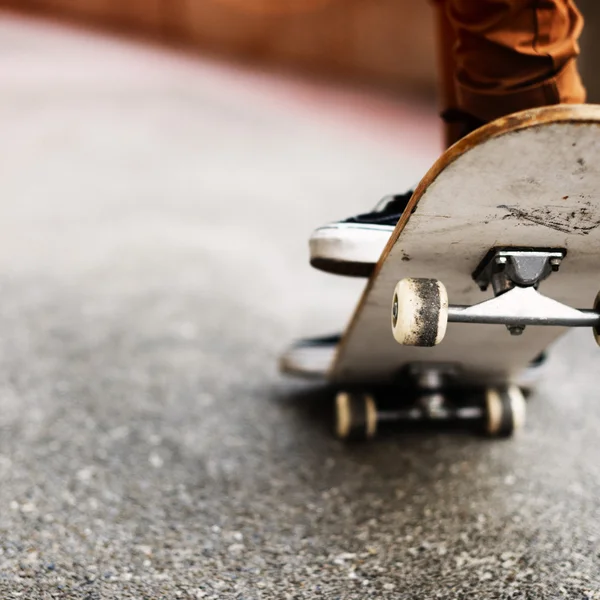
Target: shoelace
(391, 204)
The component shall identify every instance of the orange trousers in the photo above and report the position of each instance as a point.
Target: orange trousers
(502, 56)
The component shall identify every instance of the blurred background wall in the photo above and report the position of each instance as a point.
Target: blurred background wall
(386, 43)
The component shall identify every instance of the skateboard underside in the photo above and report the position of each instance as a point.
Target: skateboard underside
(531, 180)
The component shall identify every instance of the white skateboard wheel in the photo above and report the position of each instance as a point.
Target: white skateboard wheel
(355, 416)
(419, 312)
(504, 411)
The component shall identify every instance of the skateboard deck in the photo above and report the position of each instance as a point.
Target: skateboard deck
(528, 181)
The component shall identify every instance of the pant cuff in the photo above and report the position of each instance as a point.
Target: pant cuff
(563, 88)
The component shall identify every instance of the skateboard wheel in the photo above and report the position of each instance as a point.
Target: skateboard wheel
(419, 312)
(596, 329)
(504, 411)
(355, 416)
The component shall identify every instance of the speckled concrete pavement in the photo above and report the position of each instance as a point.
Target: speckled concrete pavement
(154, 210)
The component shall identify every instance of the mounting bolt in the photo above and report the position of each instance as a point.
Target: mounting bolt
(515, 329)
(555, 263)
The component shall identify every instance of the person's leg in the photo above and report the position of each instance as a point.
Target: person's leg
(496, 57)
(446, 42)
(511, 55)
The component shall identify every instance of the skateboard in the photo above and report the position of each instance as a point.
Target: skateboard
(488, 265)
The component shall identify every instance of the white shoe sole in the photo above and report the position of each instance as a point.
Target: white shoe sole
(348, 248)
(308, 361)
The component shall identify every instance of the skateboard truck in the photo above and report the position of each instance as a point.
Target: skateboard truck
(504, 268)
(430, 398)
(420, 309)
(430, 380)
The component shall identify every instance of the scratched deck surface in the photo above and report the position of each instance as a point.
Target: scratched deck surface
(527, 180)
